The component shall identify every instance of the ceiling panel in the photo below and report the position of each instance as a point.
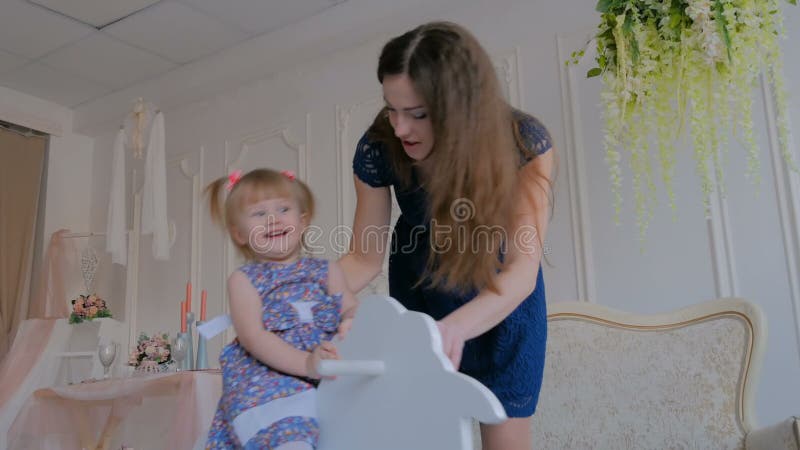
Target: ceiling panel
(176, 31)
(53, 84)
(108, 61)
(31, 31)
(10, 61)
(53, 56)
(260, 16)
(96, 13)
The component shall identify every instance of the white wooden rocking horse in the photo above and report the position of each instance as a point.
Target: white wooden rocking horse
(395, 389)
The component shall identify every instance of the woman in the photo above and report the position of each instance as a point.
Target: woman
(472, 177)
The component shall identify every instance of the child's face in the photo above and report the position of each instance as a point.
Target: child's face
(272, 228)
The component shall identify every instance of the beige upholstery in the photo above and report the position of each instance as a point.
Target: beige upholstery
(682, 380)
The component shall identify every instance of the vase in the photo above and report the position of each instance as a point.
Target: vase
(202, 357)
(188, 363)
(150, 367)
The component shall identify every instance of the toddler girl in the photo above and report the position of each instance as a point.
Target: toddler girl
(285, 308)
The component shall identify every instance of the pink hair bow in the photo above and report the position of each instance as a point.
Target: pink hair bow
(288, 174)
(233, 178)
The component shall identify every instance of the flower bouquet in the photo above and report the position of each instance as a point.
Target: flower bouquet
(670, 66)
(151, 354)
(88, 307)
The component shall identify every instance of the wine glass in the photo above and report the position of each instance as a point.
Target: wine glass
(107, 352)
(179, 348)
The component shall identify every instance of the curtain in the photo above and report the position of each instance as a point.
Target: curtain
(46, 306)
(21, 167)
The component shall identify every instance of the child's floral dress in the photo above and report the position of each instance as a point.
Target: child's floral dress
(261, 408)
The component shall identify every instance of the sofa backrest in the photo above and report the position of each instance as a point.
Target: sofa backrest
(614, 380)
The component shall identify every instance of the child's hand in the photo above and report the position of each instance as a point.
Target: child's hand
(326, 350)
(344, 328)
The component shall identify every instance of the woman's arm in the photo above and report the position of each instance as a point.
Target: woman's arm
(338, 285)
(371, 231)
(246, 314)
(518, 278)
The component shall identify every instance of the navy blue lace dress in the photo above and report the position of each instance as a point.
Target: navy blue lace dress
(508, 359)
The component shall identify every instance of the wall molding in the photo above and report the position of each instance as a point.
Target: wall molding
(195, 177)
(260, 136)
(342, 118)
(508, 70)
(344, 155)
(232, 163)
(227, 258)
(787, 191)
(723, 261)
(134, 237)
(302, 159)
(576, 174)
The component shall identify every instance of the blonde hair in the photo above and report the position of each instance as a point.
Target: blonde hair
(476, 154)
(252, 187)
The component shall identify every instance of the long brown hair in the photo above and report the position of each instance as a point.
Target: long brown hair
(254, 186)
(476, 152)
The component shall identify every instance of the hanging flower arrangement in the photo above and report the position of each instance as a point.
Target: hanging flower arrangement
(669, 65)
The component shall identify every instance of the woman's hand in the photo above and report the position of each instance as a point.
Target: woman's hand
(452, 341)
(344, 328)
(326, 350)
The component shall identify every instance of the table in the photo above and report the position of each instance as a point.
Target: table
(90, 415)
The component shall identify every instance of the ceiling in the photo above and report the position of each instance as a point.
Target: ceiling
(71, 52)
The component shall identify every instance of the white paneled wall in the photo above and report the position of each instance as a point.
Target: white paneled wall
(273, 148)
(308, 118)
(351, 121)
(747, 248)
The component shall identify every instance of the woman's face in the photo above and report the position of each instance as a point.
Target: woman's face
(408, 115)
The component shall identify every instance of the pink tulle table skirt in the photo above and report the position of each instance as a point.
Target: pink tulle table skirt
(88, 415)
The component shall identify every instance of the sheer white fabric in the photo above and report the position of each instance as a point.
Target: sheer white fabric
(154, 194)
(116, 223)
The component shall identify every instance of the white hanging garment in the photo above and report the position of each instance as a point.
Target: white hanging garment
(116, 223)
(154, 195)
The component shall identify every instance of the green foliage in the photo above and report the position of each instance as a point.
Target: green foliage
(670, 63)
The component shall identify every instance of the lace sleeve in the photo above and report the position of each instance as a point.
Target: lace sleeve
(537, 138)
(371, 164)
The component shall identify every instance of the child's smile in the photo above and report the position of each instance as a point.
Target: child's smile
(272, 228)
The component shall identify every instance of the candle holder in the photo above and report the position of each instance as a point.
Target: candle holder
(202, 356)
(188, 363)
(180, 346)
